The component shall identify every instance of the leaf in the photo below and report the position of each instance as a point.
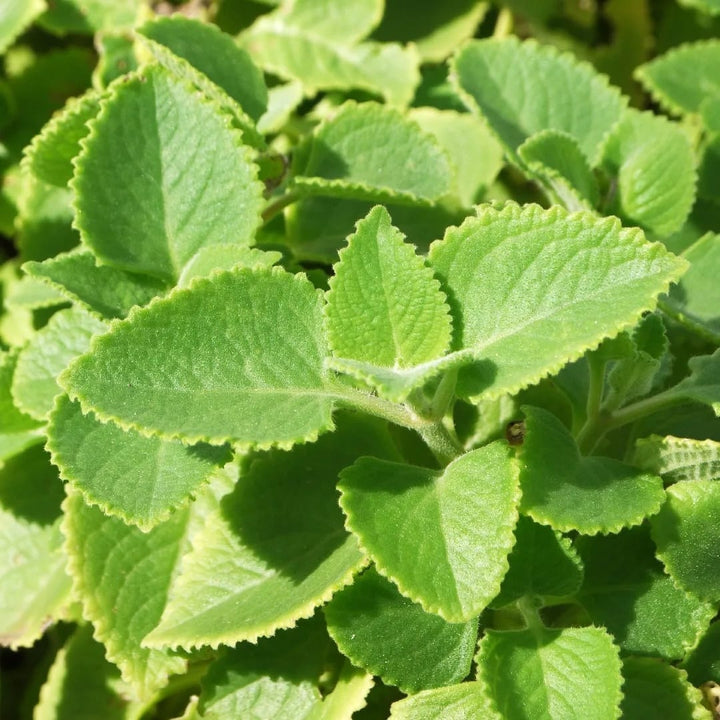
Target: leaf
(457, 702)
(275, 549)
(102, 289)
(425, 651)
(197, 187)
(524, 88)
(678, 459)
(681, 79)
(30, 294)
(542, 564)
(204, 365)
(91, 15)
(703, 384)
(12, 420)
(347, 696)
(384, 307)
(712, 7)
(542, 673)
(214, 54)
(138, 479)
(653, 161)
(117, 57)
(653, 689)
(15, 17)
(34, 587)
(570, 492)
(49, 352)
(443, 537)
(225, 257)
(282, 101)
(702, 663)
(626, 590)
(372, 152)
(687, 534)
(532, 289)
(122, 576)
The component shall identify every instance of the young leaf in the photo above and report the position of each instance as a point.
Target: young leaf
(570, 492)
(198, 186)
(547, 674)
(626, 590)
(442, 537)
(390, 636)
(211, 363)
(531, 289)
(371, 152)
(524, 88)
(687, 534)
(677, 459)
(270, 554)
(457, 702)
(139, 479)
(121, 576)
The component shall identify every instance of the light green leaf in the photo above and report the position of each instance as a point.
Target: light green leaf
(276, 547)
(12, 420)
(139, 479)
(102, 289)
(687, 534)
(653, 162)
(282, 101)
(466, 701)
(34, 587)
(532, 289)
(49, 352)
(703, 384)
(570, 492)
(678, 459)
(372, 152)
(555, 159)
(542, 564)
(31, 294)
(653, 689)
(212, 363)
(197, 187)
(425, 651)
(347, 696)
(15, 17)
(122, 576)
(547, 674)
(702, 663)
(522, 88)
(443, 537)
(90, 16)
(684, 77)
(225, 257)
(712, 7)
(117, 57)
(626, 590)
(384, 306)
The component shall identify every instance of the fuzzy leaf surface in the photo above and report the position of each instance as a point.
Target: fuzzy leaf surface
(531, 289)
(212, 363)
(442, 536)
(677, 459)
(162, 174)
(225, 257)
(457, 702)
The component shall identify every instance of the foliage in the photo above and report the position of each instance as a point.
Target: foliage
(359, 359)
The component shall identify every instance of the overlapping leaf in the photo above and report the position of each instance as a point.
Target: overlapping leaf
(678, 459)
(15, 17)
(457, 702)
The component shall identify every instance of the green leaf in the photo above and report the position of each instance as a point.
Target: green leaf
(532, 289)
(117, 57)
(12, 420)
(48, 353)
(122, 576)
(702, 663)
(443, 537)
(102, 289)
(91, 15)
(225, 257)
(15, 17)
(282, 101)
(31, 294)
(384, 308)
(687, 534)
(214, 54)
(653, 162)
(626, 590)
(34, 587)
(347, 696)
(372, 152)
(457, 702)
(712, 7)
(570, 492)
(525, 88)
(139, 479)
(677, 459)
(198, 186)
(703, 384)
(316, 45)
(270, 554)
(555, 159)
(425, 651)
(204, 365)
(545, 674)
(654, 689)
(684, 77)
(543, 564)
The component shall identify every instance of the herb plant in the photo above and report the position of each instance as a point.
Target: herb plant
(360, 361)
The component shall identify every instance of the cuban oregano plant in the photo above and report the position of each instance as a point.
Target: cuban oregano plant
(360, 360)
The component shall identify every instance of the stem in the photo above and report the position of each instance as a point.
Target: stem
(642, 408)
(442, 444)
(591, 431)
(278, 204)
(503, 24)
(444, 394)
(529, 610)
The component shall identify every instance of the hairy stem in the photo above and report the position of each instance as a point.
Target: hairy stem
(278, 204)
